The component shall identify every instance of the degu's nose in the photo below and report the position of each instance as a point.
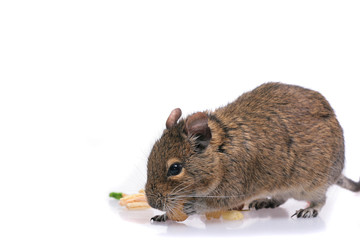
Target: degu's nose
(155, 199)
(157, 202)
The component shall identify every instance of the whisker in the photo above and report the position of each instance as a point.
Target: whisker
(182, 188)
(171, 208)
(178, 188)
(182, 195)
(209, 196)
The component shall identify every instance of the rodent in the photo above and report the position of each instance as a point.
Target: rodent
(273, 143)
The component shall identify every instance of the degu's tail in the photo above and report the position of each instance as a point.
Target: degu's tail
(348, 184)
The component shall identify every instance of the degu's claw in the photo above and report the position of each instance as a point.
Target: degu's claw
(159, 218)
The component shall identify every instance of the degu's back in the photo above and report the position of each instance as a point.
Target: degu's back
(290, 135)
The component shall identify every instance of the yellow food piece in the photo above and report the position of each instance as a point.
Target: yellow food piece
(177, 214)
(134, 201)
(232, 215)
(137, 205)
(211, 215)
(138, 197)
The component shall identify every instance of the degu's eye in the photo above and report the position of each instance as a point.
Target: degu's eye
(174, 169)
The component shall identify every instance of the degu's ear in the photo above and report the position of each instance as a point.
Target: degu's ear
(197, 126)
(173, 118)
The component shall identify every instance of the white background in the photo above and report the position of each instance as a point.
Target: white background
(86, 87)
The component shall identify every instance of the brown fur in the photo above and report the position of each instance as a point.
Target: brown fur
(278, 141)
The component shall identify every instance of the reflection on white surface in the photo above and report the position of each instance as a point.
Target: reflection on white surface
(263, 222)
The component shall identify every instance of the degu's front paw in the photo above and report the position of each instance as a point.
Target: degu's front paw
(265, 203)
(159, 218)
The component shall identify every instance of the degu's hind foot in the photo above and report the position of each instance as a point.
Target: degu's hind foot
(306, 213)
(311, 211)
(266, 203)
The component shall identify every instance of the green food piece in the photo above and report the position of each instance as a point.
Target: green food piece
(116, 195)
